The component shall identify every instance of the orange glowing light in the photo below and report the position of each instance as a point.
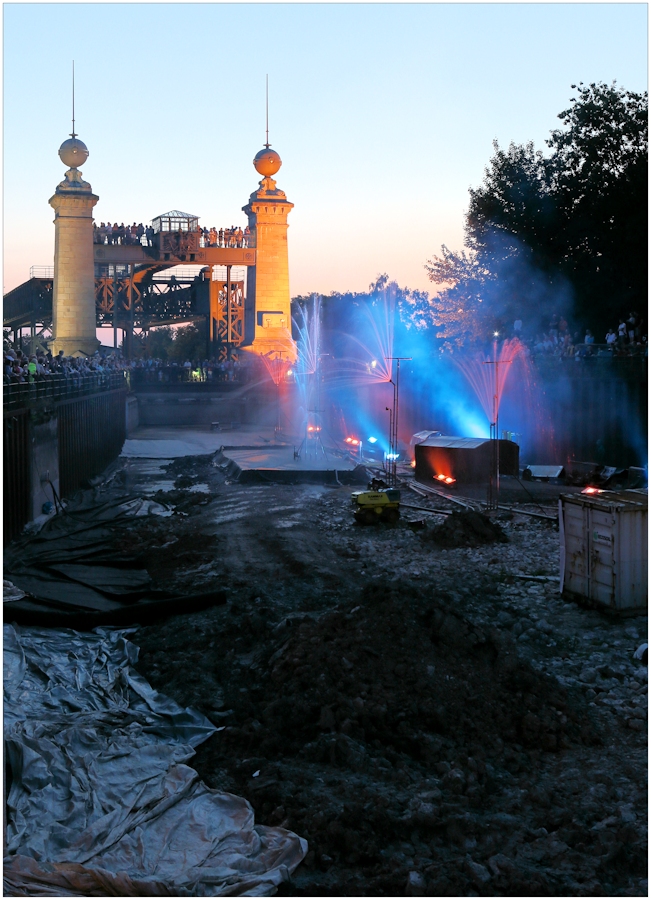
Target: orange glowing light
(441, 477)
(592, 490)
(310, 427)
(413, 463)
(449, 480)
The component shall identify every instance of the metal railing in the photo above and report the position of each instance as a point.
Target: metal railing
(41, 272)
(91, 432)
(57, 387)
(180, 273)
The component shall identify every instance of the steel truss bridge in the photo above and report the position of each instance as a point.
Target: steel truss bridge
(138, 287)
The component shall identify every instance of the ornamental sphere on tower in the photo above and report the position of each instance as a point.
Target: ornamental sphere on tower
(73, 153)
(267, 162)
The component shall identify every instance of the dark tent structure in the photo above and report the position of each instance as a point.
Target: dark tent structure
(467, 460)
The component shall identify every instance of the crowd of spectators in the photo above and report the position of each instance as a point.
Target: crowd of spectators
(559, 341)
(157, 371)
(225, 237)
(23, 368)
(107, 233)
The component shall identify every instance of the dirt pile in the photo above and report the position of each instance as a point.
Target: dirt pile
(433, 720)
(384, 732)
(466, 529)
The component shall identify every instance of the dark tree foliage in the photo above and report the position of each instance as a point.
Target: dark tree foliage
(171, 344)
(565, 233)
(159, 342)
(599, 179)
(189, 343)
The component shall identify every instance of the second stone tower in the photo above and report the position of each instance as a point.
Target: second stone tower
(73, 303)
(268, 304)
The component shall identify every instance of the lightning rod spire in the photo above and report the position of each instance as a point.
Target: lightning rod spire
(267, 145)
(73, 135)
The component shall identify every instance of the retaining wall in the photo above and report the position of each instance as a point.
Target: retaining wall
(55, 446)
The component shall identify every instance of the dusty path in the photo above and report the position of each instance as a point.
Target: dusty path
(429, 721)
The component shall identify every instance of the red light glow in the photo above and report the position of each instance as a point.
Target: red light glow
(592, 490)
(445, 478)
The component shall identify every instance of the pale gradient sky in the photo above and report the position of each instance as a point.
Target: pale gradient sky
(383, 115)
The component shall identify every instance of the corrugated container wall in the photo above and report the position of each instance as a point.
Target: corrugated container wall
(604, 550)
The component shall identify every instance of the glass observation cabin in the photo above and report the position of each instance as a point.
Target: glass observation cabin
(175, 220)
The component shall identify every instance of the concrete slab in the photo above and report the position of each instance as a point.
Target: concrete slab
(283, 458)
(254, 452)
(171, 443)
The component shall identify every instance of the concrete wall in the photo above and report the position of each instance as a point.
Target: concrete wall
(44, 439)
(201, 411)
(65, 443)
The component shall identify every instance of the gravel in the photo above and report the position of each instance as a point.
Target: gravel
(431, 722)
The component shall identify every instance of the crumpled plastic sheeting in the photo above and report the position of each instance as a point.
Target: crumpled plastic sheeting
(102, 801)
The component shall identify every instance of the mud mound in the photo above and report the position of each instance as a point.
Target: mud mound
(467, 529)
(369, 726)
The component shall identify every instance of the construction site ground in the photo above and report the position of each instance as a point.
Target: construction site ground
(427, 712)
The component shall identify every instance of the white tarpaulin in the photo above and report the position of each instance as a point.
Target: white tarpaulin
(102, 801)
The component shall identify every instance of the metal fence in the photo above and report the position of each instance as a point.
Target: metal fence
(57, 387)
(16, 474)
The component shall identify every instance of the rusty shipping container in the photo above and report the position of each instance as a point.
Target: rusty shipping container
(604, 549)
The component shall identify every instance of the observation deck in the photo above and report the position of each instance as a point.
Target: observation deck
(175, 237)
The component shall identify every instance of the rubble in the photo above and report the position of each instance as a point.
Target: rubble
(467, 529)
(433, 720)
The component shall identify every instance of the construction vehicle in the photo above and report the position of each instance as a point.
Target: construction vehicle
(377, 504)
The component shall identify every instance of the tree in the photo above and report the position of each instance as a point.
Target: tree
(189, 343)
(513, 206)
(564, 233)
(599, 178)
(160, 342)
(458, 312)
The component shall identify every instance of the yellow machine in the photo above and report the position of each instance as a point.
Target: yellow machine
(376, 506)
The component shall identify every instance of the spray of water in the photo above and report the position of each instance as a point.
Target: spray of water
(488, 377)
(307, 324)
(307, 373)
(374, 333)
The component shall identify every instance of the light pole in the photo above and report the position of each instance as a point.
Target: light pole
(494, 479)
(393, 420)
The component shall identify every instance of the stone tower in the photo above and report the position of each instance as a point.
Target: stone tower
(73, 303)
(268, 312)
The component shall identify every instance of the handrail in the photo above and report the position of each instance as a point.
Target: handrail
(41, 272)
(57, 386)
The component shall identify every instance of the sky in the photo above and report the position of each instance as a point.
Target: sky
(383, 114)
